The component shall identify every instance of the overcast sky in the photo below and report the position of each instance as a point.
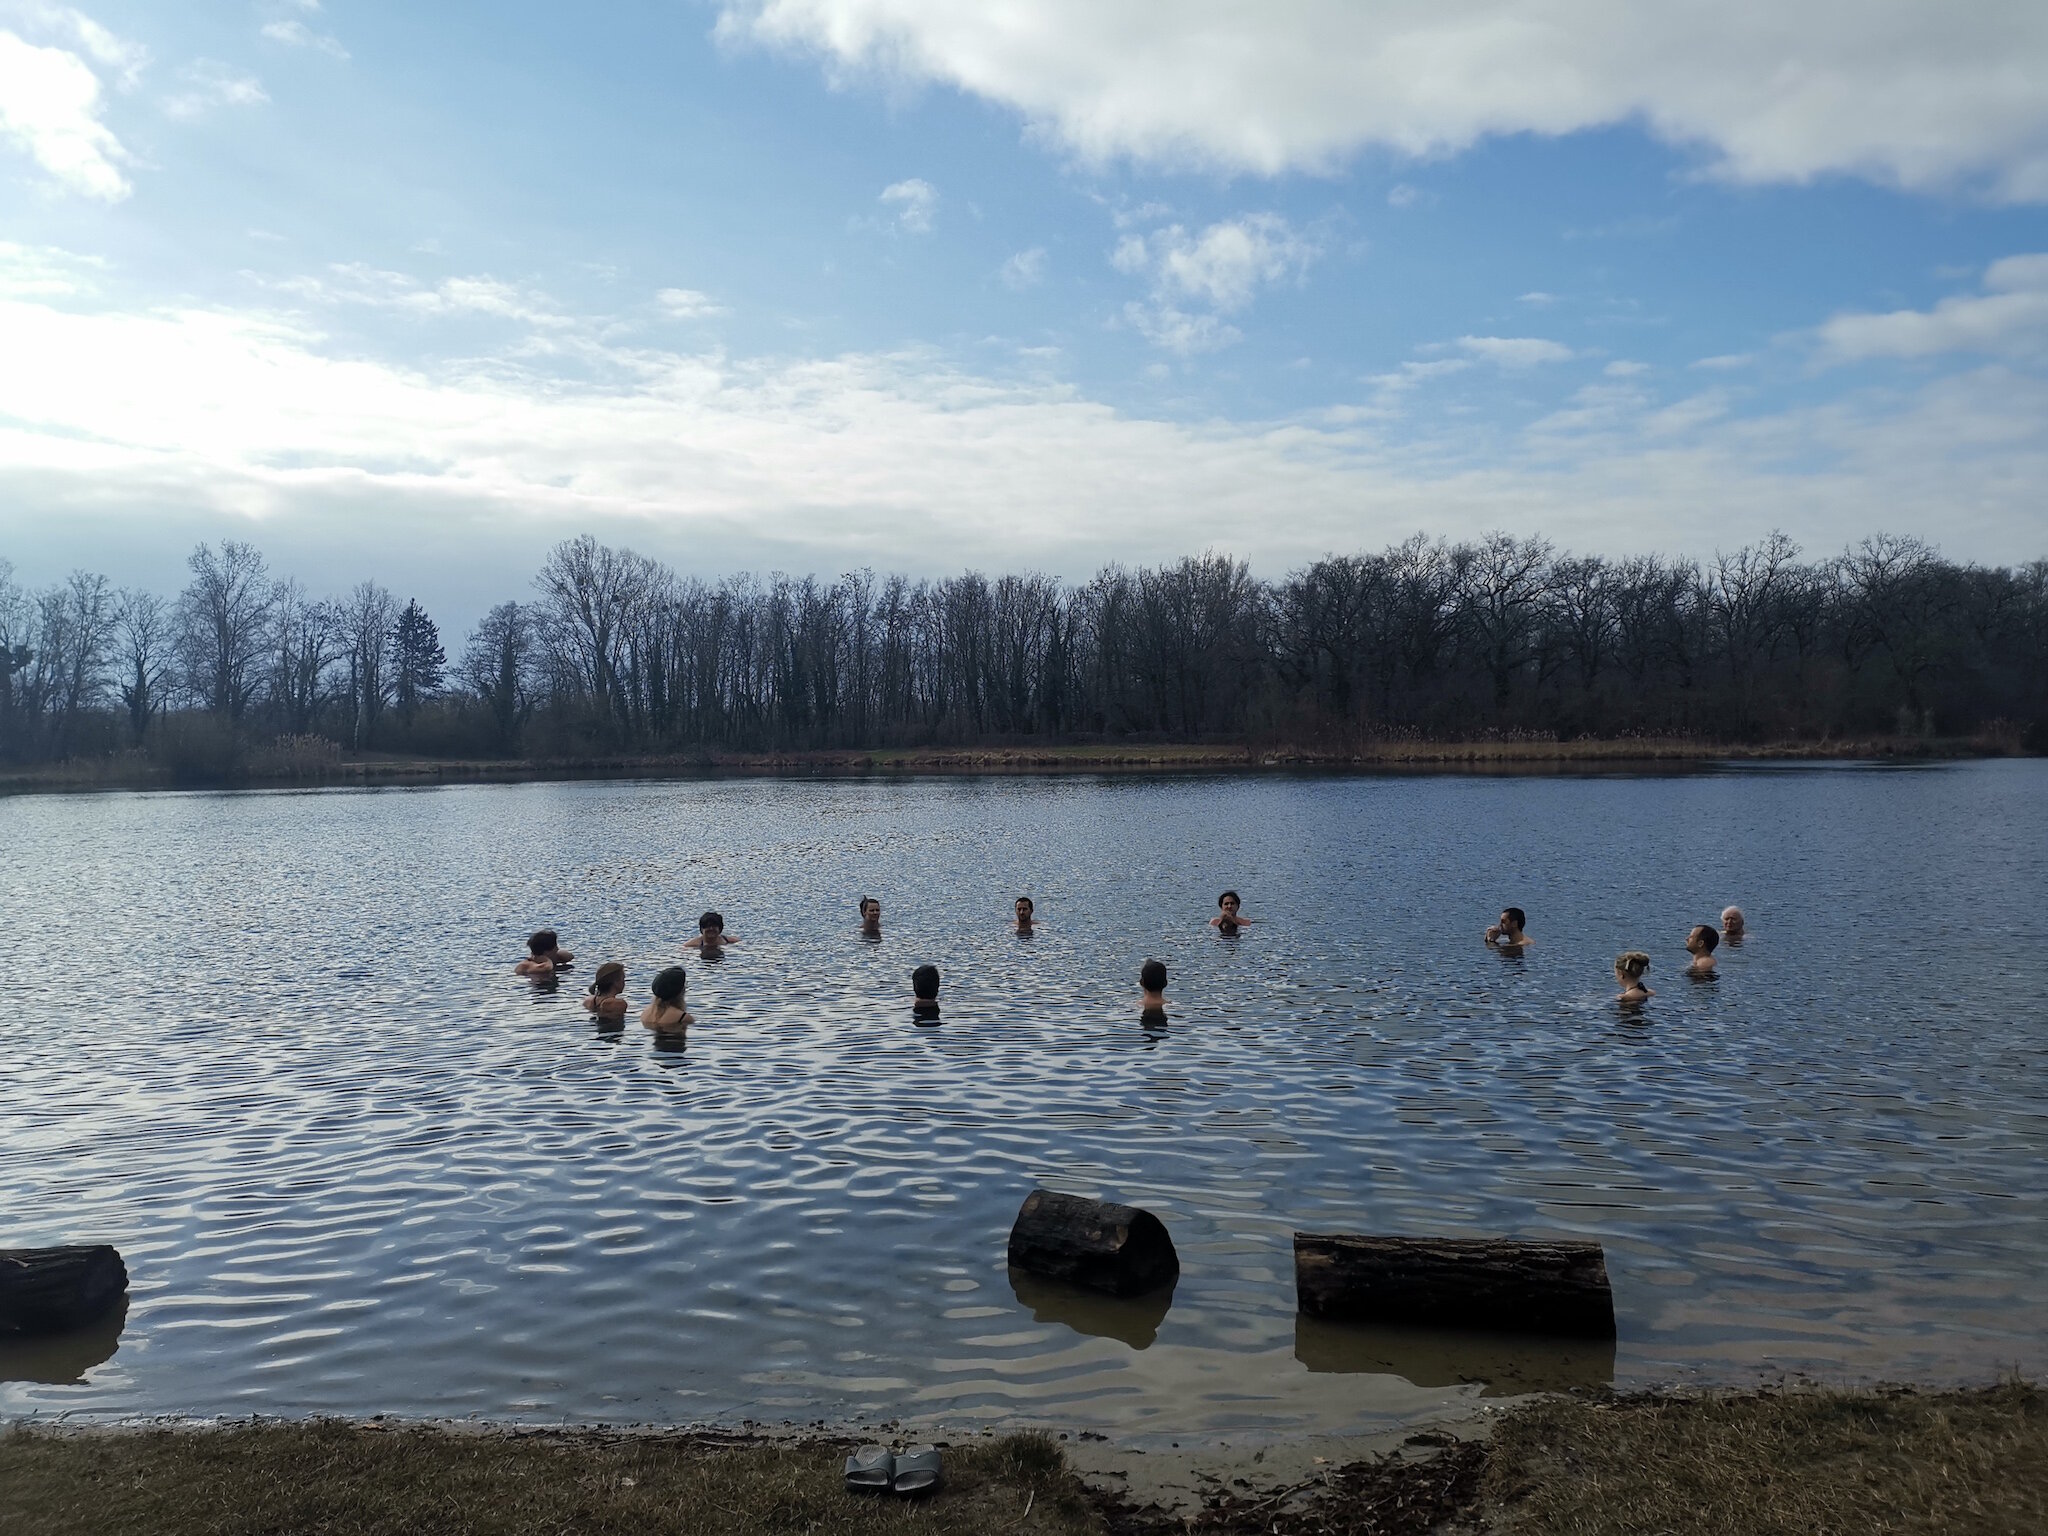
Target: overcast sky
(411, 291)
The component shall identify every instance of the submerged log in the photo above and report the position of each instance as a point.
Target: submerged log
(1500, 1285)
(1117, 1249)
(50, 1290)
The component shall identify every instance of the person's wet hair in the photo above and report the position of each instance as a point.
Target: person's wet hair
(545, 942)
(1632, 964)
(1026, 903)
(1516, 916)
(1152, 976)
(1708, 937)
(1229, 896)
(924, 983)
(711, 920)
(610, 977)
(865, 903)
(669, 985)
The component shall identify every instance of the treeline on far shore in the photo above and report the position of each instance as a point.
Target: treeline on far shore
(613, 653)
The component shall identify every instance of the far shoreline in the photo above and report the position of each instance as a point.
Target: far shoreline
(135, 771)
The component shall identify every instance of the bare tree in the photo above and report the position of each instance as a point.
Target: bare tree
(145, 657)
(224, 625)
(366, 617)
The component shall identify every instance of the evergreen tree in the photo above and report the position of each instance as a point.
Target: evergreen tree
(417, 661)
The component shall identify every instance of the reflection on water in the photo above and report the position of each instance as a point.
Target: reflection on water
(1133, 1319)
(63, 1359)
(355, 1165)
(1503, 1364)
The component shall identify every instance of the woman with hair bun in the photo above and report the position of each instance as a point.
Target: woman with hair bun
(1628, 970)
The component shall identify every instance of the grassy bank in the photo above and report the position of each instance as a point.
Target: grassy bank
(1969, 1463)
(135, 770)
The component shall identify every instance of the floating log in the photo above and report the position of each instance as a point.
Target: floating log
(52, 1290)
(1494, 1284)
(1095, 1244)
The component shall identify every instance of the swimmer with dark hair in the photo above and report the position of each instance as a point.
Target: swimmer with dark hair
(924, 991)
(1732, 922)
(1507, 933)
(1229, 914)
(1628, 970)
(1152, 986)
(711, 935)
(1025, 912)
(870, 917)
(1701, 944)
(607, 995)
(544, 955)
(666, 1013)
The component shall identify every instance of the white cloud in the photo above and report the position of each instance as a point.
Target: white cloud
(1725, 362)
(1538, 298)
(1623, 368)
(1415, 372)
(2009, 316)
(1515, 351)
(145, 416)
(44, 272)
(1401, 195)
(123, 59)
(688, 304)
(359, 283)
(296, 34)
(1024, 270)
(214, 84)
(1221, 267)
(915, 201)
(50, 108)
(1904, 92)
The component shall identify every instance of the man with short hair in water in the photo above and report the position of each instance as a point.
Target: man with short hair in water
(1152, 986)
(1507, 933)
(1229, 914)
(1025, 911)
(711, 936)
(1701, 944)
(1732, 923)
(870, 918)
(924, 991)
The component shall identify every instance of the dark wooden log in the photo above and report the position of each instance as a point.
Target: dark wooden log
(1496, 1284)
(1116, 1249)
(50, 1290)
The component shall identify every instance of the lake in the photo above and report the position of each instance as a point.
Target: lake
(271, 1046)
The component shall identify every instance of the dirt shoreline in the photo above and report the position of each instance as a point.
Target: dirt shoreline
(1959, 1461)
(134, 772)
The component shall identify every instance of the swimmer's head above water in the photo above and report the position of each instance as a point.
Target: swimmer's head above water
(711, 925)
(870, 912)
(1732, 922)
(669, 986)
(1152, 982)
(1025, 910)
(1509, 929)
(1629, 968)
(924, 988)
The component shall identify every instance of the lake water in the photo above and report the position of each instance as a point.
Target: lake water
(270, 1045)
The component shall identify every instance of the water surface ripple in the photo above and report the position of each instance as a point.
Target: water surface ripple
(270, 1045)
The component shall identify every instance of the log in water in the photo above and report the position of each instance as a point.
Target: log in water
(50, 1290)
(1117, 1249)
(1496, 1284)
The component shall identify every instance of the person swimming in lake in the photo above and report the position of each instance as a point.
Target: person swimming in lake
(1229, 914)
(607, 995)
(1152, 986)
(924, 991)
(1507, 933)
(1732, 923)
(1701, 944)
(544, 955)
(870, 918)
(666, 1013)
(1025, 912)
(711, 936)
(1628, 970)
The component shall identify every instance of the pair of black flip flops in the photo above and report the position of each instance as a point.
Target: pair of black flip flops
(877, 1469)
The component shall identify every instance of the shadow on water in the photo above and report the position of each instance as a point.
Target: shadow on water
(1132, 1320)
(62, 1360)
(1508, 1364)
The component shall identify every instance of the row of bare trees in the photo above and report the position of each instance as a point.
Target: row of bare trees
(616, 652)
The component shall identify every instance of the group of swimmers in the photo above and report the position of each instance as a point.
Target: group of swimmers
(1511, 933)
(665, 1012)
